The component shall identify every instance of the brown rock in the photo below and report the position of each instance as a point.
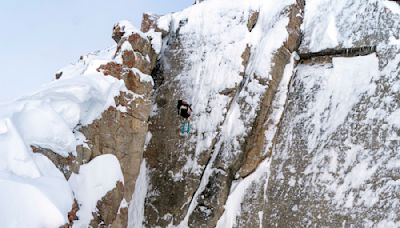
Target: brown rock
(113, 69)
(254, 147)
(140, 44)
(121, 221)
(118, 33)
(252, 21)
(66, 165)
(149, 22)
(108, 206)
(135, 59)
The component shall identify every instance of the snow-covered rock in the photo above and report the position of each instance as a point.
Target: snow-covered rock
(295, 122)
(96, 107)
(93, 182)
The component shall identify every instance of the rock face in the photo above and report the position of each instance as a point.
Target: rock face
(288, 139)
(108, 207)
(195, 196)
(121, 130)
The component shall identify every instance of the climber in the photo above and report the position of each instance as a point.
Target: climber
(184, 110)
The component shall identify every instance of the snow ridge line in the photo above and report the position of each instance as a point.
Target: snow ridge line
(339, 52)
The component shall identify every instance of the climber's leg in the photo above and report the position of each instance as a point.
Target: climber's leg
(188, 126)
(183, 127)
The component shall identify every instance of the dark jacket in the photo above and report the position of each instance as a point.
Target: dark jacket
(184, 109)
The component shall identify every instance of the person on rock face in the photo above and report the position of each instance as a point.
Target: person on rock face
(185, 111)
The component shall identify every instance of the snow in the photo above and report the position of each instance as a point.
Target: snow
(41, 199)
(394, 41)
(214, 35)
(129, 28)
(48, 118)
(136, 208)
(393, 6)
(34, 193)
(348, 23)
(94, 181)
(240, 188)
(342, 85)
(156, 40)
(342, 121)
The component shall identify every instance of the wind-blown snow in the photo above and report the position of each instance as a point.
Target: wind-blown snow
(48, 118)
(340, 88)
(136, 208)
(93, 182)
(341, 123)
(348, 23)
(342, 85)
(34, 193)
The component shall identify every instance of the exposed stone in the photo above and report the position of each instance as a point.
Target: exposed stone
(108, 206)
(112, 68)
(59, 74)
(137, 60)
(121, 221)
(149, 22)
(122, 134)
(295, 21)
(140, 44)
(117, 33)
(72, 214)
(254, 146)
(142, 55)
(246, 56)
(252, 21)
(210, 204)
(66, 165)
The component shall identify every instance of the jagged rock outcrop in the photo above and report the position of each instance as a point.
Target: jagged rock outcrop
(121, 130)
